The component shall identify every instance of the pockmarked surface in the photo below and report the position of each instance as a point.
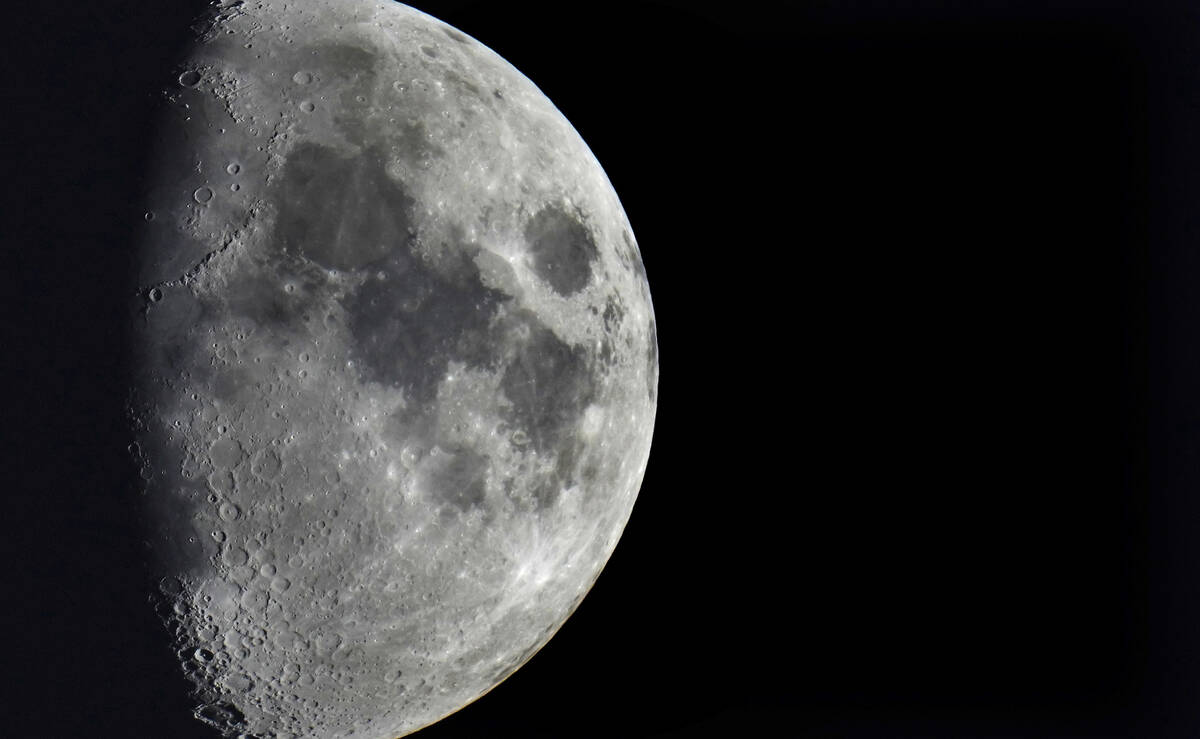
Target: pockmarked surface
(397, 368)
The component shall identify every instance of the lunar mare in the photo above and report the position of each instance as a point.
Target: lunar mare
(397, 368)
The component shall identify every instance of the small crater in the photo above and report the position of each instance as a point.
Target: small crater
(302, 78)
(409, 456)
(203, 194)
(233, 168)
(307, 106)
(229, 512)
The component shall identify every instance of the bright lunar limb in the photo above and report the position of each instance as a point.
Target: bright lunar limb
(397, 368)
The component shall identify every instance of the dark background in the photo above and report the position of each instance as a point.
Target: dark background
(927, 459)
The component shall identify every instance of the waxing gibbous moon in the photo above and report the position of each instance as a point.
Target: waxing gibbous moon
(397, 368)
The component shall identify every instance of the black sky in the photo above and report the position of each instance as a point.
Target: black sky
(927, 281)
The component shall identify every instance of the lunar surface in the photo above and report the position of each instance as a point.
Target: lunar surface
(397, 368)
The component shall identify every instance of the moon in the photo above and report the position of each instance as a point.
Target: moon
(396, 368)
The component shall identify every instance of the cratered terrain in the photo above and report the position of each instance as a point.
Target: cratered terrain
(397, 368)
